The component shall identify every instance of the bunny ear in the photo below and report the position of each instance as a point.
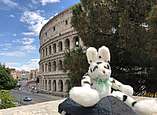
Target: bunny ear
(91, 54)
(104, 54)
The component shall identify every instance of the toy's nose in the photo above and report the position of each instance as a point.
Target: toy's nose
(104, 72)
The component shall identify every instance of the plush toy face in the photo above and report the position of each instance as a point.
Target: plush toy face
(99, 66)
(100, 70)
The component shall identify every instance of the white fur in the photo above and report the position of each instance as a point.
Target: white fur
(84, 95)
(91, 54)
(123, 88)
(141, 107)
(104, 53)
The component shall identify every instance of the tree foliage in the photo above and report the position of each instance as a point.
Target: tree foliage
(75, 63)
(6, 80)
(6, 100)
(127, 27)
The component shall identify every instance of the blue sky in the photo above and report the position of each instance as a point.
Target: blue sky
(20, 23)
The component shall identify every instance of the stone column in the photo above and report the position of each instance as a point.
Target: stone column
(47, 84)
(57, 87)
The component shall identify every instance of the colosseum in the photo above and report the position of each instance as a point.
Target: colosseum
(56, 36)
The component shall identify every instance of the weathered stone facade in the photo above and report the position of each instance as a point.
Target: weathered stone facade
(55, 37)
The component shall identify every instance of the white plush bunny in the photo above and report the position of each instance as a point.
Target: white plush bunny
(99, 76)
(97, 83)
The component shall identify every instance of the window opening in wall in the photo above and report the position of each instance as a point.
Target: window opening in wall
(54, 66)
(45, 84)
(49, 85)
(54, 48)
(54, 28)
(54, 85)
(67, 44)
(60, 46)
(46, 51)
(76, 41)
(46, 67)
(60, 65)
(60, 85)
(50, 51)
(66, 22)
(49, 67)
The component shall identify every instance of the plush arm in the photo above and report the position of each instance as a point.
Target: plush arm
(116, 85)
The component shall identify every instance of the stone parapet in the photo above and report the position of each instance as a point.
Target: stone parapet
(45, 108)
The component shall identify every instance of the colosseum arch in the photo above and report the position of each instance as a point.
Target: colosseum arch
(60, 46)
(54, 66)
(60, 65)
(46, 67)
(50, 50)
(43, 53)
(54, 85)
(46, 51)
(54, 48)
(67, 44)
(45, 84)
(60, 86)
(42, 67)
(49, 85)
(49, 67)
(67, 85)
(76, 41)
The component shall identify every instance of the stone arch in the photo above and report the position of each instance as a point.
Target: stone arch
(60, 46)
(67, 85)
(49, 85)
(43, 53)
(46, 67)
(54, 65)
(50, 50)
(54, 85)
(42, 67)
(60, 86)
(45, 84)
(60, 65)
(46, 51)
(76, 41)
(67, 44)
(49, 67)
(54, 48)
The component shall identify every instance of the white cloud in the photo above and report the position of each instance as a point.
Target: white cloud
(9, 3)
(28, 33)
(34, 20)
(45, 2)
(12, 16)
(27, 44)
(31, 64)
(12, 53)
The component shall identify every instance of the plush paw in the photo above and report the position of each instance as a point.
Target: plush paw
(84, 96)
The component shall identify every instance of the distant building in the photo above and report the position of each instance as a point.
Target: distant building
(33, 74)
(24, 75)
(15, 74)
(56, 36)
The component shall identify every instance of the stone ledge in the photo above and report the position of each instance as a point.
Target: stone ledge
(45, 108)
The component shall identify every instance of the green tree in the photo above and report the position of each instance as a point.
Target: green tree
(127, 27)
(6, 100)
(6, 80)
(75, 63)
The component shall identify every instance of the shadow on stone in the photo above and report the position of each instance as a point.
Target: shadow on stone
(107, 106)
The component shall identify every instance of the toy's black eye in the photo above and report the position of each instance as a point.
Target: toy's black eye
(107, 67)
(99, 56)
